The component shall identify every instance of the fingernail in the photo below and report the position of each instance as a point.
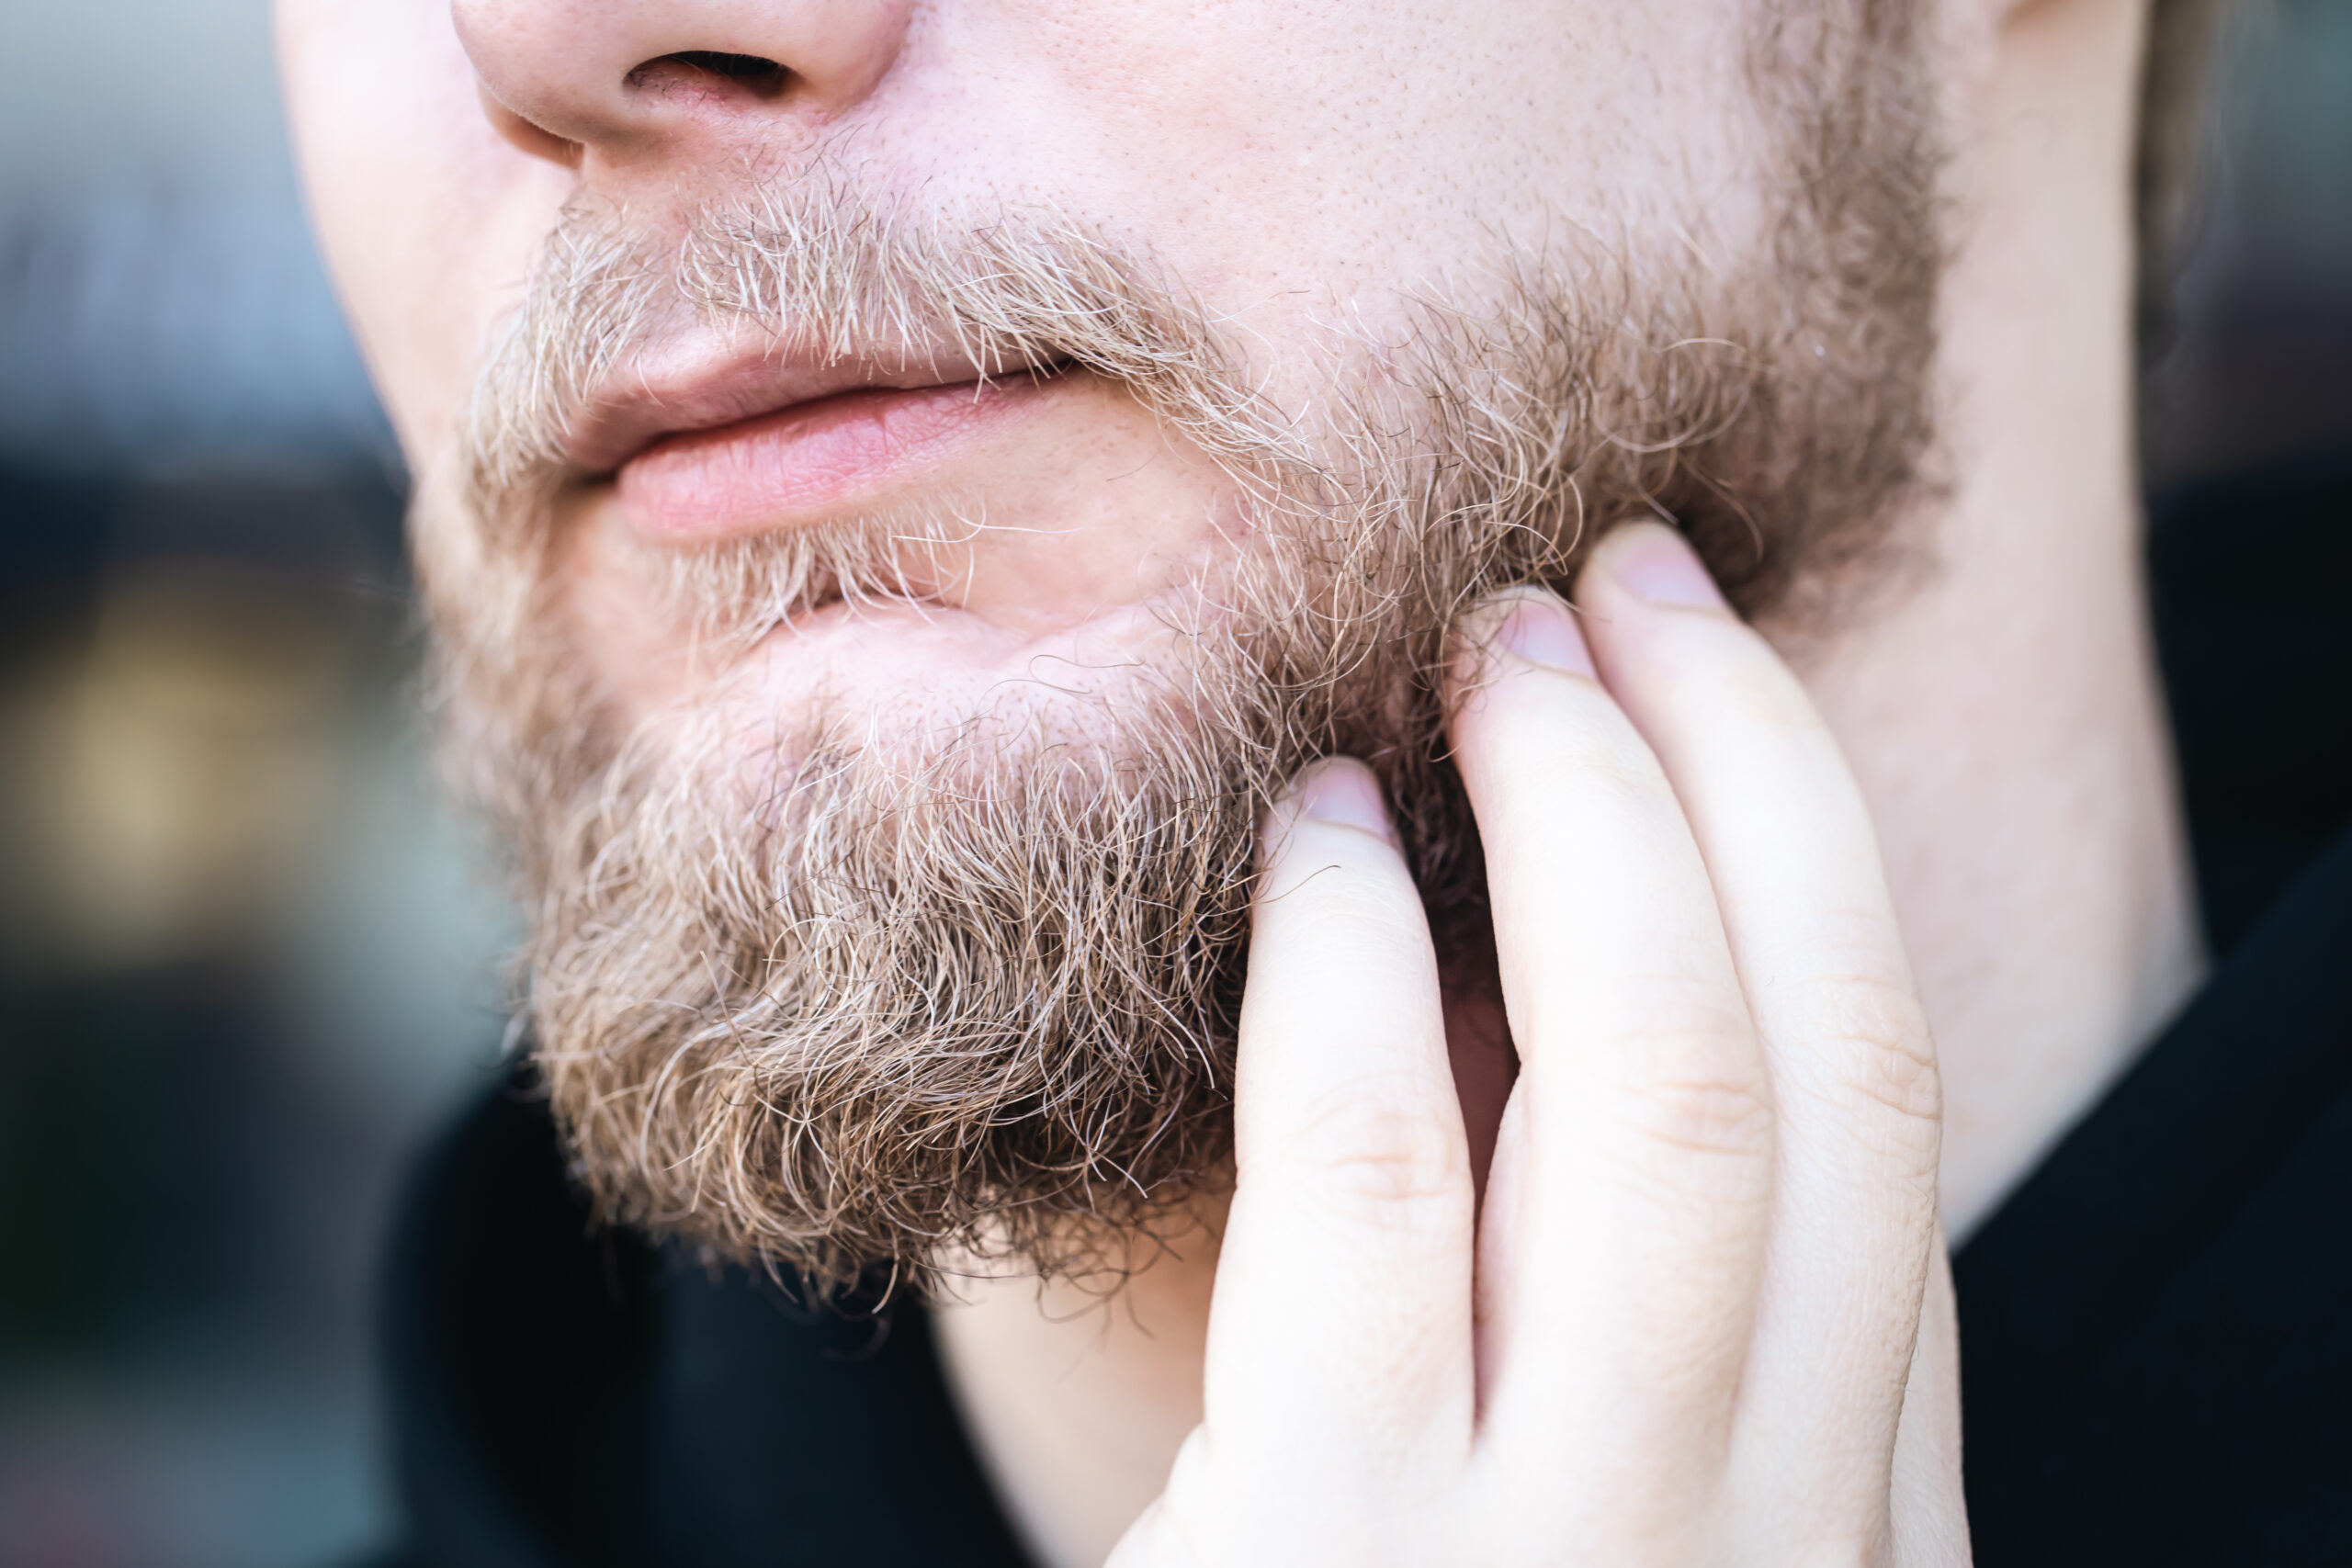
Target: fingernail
(1541, 630)
(1345, 793)
(1655, 564)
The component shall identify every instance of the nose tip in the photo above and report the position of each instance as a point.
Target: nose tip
(562, 79)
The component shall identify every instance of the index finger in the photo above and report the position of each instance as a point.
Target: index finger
(1636, 1175)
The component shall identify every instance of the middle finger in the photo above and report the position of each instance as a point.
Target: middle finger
(1635, 1172)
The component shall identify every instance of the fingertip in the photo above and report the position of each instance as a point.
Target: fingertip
(1343, 791)
(1528, 625)
(1340, 792)
(1653, 564)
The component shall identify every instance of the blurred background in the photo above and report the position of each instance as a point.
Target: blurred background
(245, 965)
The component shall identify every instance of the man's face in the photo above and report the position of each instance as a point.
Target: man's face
(899, 483)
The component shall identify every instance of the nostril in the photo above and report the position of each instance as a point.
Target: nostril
(759, 75)
(750, 68)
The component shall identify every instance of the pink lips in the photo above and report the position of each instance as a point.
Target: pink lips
(804, 462)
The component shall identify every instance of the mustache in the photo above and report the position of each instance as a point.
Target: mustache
(832, 274)
(1538, 409)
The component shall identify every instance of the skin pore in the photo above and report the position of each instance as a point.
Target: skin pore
(1999, 711)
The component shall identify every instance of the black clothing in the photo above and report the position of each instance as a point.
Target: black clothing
(2251, 581)
(571, 1398)
(2157, 1328)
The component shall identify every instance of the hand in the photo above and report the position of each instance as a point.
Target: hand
(1705, 1314)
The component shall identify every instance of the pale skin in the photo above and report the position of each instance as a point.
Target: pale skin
(1700, 1315)
(1703, 1317)
(1701, 1311)
(2038, 866)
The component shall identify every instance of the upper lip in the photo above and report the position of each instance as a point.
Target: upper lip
(705, 386)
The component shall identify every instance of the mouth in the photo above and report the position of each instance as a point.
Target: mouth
(704, 453)
(811, 460)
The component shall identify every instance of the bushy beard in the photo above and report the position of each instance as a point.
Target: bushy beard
(970, 986)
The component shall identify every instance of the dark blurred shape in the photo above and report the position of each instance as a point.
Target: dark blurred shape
(2250, 573)
(240, 977)
(2257, 371)
(243, 962)
(240, 953)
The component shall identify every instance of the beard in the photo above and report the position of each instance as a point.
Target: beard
(967, 984)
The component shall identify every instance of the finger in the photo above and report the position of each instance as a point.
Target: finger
(1928, 1505)
(1790, 849)
(1639, 1176)
(1340, 1327)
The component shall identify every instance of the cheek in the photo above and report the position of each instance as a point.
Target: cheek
(428, 222)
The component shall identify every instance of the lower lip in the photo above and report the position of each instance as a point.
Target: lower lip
(809, 462)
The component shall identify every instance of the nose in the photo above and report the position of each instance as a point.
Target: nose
(566, 77)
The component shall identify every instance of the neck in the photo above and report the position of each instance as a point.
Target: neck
(2004, 713)
(2001, 711)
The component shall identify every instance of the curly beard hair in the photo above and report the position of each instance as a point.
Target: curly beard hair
(973, 990)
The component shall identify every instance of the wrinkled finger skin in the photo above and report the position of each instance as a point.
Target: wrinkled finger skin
(1795, 870)
(1704, 1313)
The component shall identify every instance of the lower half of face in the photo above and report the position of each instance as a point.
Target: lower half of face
(1027, 558)
(885, 767)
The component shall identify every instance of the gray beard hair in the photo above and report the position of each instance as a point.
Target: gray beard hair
(979, 997)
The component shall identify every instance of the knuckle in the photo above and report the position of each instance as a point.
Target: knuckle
(1699, 1089)
(1724, 1115)
(1886, 1056)
(1374, 1148)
